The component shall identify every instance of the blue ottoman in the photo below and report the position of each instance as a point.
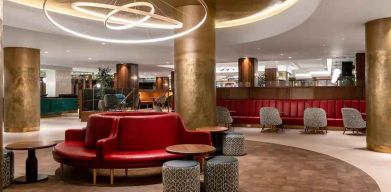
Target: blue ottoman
(181, 176)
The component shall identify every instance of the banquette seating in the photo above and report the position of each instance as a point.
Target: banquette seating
(125, 140)
(292, 110)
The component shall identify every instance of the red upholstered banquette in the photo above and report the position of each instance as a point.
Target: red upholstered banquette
(126, 140)
(292, 111)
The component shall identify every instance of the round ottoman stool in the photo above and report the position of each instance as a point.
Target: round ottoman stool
(8, 168)
(222, 174)
(181, 176)
(233, 144)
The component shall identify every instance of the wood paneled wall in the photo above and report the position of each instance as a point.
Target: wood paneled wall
(291, 93)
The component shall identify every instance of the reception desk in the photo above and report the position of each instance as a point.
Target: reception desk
(53, 106)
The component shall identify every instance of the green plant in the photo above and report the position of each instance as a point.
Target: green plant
(104, 78)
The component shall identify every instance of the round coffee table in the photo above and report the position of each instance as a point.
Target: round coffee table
(32, 175)
(191, 150)
(217, 136)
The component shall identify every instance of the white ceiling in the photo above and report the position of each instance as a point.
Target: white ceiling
(311, 30)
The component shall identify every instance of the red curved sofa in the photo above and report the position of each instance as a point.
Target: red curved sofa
(247, 111)
(126, 140)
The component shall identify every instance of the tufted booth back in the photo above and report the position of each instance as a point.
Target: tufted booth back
(291, 108)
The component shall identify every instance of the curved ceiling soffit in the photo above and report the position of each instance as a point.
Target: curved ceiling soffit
(269, 27)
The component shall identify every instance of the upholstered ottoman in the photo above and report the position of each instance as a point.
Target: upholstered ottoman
(233, 144)
(8, 168)
(181, 176)
(222, 174)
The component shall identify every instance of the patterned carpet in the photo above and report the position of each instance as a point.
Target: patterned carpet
(266, 167)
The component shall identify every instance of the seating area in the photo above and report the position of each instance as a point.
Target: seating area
(292, 111)
(125, 140)
(195, 95)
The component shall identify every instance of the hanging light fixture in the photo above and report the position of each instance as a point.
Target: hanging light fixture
(115, 23)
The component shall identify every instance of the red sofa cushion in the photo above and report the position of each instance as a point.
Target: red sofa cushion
(139, 157)
(98, 127)
(75, 151)
(140, 133)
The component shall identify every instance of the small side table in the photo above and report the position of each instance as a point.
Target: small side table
(32, 175)
(217, 137)
(191, 151)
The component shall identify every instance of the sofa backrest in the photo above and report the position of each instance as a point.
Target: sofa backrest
(290, 107)
(99, 127)
(138, 133)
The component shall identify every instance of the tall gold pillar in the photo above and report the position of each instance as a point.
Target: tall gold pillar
(22, 93)
(1, 91)
(378, 89)
(195, 91)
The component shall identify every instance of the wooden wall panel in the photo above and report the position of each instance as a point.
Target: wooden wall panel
(292, 93)
(302, 93)
(269, 93)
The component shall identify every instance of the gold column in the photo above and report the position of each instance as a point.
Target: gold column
(378, 89)
(1, 91)
(22, 93)
(195, 91)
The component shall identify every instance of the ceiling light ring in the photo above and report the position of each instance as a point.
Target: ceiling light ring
(128, 41)
(128, 26)
(79, 7)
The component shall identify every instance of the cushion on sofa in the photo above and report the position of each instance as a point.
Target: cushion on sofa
(140, 157)
(75, 151)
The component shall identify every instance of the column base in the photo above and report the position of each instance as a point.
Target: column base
(21, 130)
(379, 148)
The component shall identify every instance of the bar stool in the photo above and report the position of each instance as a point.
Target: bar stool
(181, 175)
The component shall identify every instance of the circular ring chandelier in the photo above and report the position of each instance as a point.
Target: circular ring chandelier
(112, 22)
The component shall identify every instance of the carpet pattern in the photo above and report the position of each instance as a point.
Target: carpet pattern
(266, 167)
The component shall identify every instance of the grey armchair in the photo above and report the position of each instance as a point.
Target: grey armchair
(270, 116)
(316, 119)
(224, 116)
(353, 120)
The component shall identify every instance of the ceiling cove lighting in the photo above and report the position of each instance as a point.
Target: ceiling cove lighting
(112, 22)
(264, 14)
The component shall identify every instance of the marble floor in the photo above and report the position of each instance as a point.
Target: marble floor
(350, 149)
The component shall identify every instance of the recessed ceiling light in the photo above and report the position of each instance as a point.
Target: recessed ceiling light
(343, 38)
(103, 43)
(282, 54)
(68, 51)
(290, 57)
(45, 52)
(90, 58)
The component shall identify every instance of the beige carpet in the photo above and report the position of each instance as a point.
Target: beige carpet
(266, 167)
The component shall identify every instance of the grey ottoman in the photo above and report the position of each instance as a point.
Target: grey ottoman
(181, 176)
(233, 144)
(8, 168)
(222, 174)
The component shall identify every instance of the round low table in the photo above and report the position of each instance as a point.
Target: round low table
(32, 175)
(217, 137)
(191, 150)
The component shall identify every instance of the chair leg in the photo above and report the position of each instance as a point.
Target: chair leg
(111, 176)
(263, 128)
(344, 131)
(126, 172)
(94, 176)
